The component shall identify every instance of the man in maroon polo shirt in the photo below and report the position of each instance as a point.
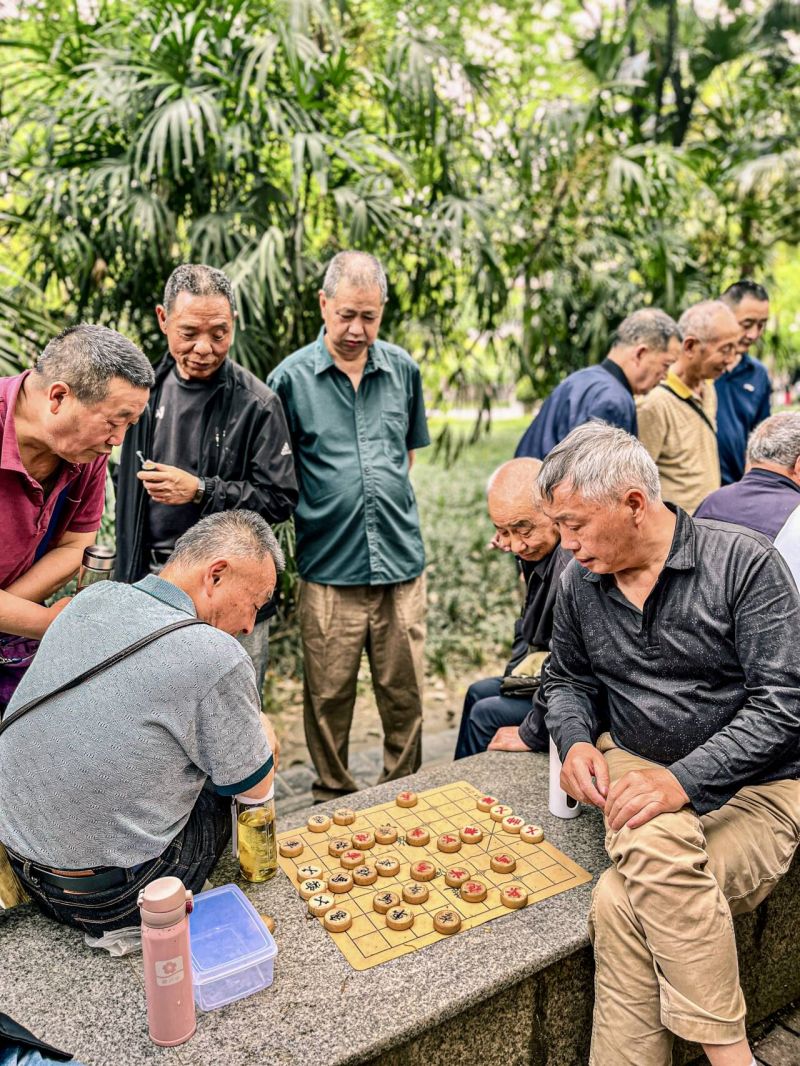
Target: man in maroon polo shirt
(58, 424)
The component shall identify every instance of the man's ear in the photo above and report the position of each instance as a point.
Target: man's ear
(215, 573)
(636, 502)
(641, 349)
(161, 315)
(56, 395)
(323, 301)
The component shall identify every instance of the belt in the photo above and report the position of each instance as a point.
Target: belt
(80, 881)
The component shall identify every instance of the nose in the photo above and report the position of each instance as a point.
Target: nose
(116, 436)
(568, 540)
(202, 346)
(517, 544)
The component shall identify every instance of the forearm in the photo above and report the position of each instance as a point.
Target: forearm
(760, 735)
(22, 617)
(569, 719)
(275, 502)
(49, 574)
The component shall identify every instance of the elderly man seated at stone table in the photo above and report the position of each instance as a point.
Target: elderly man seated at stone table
(497, 711)
(767, 498)
(123, 778)
(685, 632)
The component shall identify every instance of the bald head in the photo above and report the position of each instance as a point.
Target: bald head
(514, 505)
(710, 338)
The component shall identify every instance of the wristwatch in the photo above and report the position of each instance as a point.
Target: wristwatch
(201, 490)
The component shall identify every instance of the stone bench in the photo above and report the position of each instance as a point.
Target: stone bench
(516, 990)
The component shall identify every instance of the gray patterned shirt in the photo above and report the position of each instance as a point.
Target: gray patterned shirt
(107, 774)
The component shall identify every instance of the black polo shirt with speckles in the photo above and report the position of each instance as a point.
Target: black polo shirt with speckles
(705, 680)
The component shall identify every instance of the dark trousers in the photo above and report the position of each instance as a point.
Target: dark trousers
(191, 856)
(486, 711)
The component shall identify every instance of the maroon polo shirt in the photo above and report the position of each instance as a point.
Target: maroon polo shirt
(24, 512)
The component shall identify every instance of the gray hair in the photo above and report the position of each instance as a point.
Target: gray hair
(776, 440)
(649, 326)
(239, 534)
(600, 463)
(87, 357)
(360, 269)
(697, 319)
(198, 280)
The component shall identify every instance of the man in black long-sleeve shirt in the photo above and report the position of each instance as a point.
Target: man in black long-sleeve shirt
(215, 439)
(683, 632)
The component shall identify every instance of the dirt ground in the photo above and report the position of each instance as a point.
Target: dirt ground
(443, 701)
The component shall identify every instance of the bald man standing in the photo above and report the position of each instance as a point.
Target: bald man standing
(516, 722)
(678, 420)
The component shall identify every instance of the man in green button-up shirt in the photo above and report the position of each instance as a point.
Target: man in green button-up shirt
(356, 414)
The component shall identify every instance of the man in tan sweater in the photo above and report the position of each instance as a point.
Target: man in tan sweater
(677, 420)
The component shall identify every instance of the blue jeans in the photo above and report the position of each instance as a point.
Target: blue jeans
(486, 711)
(20, 1056)
(191, 856)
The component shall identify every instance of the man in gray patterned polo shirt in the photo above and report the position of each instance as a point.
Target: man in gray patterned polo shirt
(112, 780)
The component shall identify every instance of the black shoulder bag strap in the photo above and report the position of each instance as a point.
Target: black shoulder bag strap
(112, 660)
(695, 406)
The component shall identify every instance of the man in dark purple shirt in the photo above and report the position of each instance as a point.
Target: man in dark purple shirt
(767, 498)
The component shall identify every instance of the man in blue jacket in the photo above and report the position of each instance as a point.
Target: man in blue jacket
(643, 348)
(744, 390)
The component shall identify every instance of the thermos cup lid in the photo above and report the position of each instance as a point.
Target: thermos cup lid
(164, 900)
(99, 557)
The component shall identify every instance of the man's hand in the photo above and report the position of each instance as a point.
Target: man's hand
(584, 775)
(272, 738)
(169, 484)
(507, 738)
(640, 795)
(56, 608)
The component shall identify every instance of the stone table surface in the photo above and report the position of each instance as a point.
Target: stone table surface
(318, 1009)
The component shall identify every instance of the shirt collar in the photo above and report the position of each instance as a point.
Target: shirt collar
(758, 473)
(376, 357)
(617, 372)
(167, 593)
(674, 384)
(681, 554)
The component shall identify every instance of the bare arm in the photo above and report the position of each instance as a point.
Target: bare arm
(26, 619)
(53, 570)
(411, 456)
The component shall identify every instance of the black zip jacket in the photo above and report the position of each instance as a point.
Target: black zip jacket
(245, 456)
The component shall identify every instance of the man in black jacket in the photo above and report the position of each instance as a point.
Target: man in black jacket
(212, 438)
(492, 717)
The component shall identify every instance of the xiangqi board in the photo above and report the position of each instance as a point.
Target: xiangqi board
(541, 868)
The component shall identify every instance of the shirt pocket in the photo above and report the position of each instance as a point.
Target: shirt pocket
(394, 430)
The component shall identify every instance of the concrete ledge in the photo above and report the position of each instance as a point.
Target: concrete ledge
(517, 990)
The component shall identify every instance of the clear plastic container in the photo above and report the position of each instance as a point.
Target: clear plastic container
(232, 949)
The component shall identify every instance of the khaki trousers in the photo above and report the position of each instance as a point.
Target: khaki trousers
(337, 623)
(661, 918)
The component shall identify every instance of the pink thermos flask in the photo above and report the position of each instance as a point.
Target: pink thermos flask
(165, 905)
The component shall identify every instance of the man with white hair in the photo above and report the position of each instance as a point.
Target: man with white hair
(767, 498)
(356, 415)
(672, 699)
(677, 421)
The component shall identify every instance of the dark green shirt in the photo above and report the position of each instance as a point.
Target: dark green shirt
(357, 521)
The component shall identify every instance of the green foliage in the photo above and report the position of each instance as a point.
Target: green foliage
(529, 175)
